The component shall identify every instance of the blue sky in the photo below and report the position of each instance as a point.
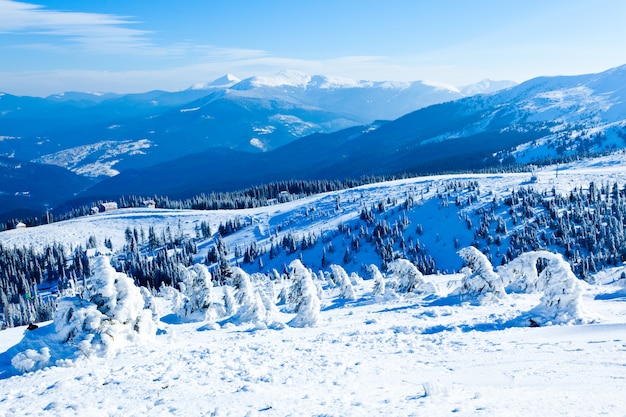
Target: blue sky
(125, 46)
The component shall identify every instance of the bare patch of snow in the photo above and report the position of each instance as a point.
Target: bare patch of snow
(106, 153)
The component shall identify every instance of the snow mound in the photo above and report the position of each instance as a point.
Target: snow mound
(31, 359)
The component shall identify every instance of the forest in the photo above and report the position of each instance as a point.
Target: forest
(586, 225)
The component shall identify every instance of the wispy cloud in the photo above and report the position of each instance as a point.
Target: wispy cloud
(91, 30)
(97, 52)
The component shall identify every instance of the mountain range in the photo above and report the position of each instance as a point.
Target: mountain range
(235, 133)
(544, 119)
(99, 135)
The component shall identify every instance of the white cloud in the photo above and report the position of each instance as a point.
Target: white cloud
(92, 30)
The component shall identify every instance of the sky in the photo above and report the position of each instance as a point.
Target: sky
(121, 46)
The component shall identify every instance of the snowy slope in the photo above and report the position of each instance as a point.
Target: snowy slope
(422, 353)
(320, 215)
(542, 119)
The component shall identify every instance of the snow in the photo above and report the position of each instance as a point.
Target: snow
(190, 109)
(294, 124)
(479, 278)
(292, 78)
(441, 86)
(486, 86)
(289, 78)
(344, 345)
(340, 277)
(409, 278)
(110, 316)
(96, 159)
(258, 143)
(225, 81)
(412, 355)
(326, 82)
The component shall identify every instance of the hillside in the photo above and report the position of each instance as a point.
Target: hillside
(439, 342)
(26, 189)
(448, 208)
(543, 120)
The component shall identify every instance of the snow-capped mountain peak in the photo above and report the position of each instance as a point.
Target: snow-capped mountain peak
(289, 78)
(441, 86)
(486, 86)
(326, 82)
(225, 81)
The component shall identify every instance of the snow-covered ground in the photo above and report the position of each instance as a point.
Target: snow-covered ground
(431, 353)
(402, 355)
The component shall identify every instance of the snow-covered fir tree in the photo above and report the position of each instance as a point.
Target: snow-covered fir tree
(250, 306)
(307, 303)
(408, 278)
(346, 290)
(479, 279)
(379, 280)
(562, 300)
(112, 314)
